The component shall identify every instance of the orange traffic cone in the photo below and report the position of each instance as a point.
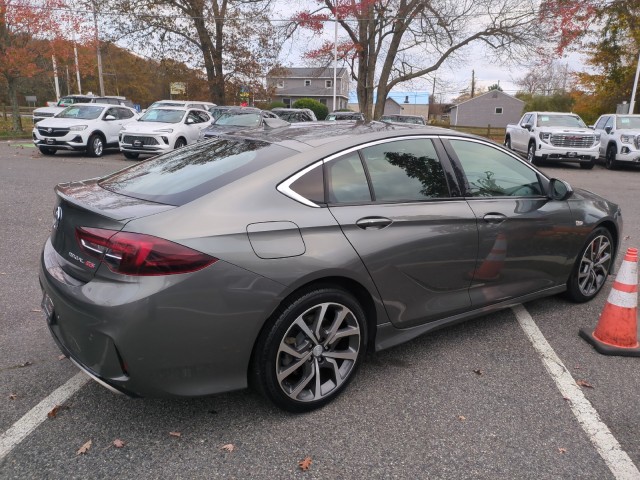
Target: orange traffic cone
(494, 263)
(617, 329)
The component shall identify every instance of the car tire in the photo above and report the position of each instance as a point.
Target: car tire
(588, 165)
(47, 150)
(95, 145)
(311, 349)
(610, 158)
(592, 266)
(507, 142)
(131, 155)
(181, 142)
(531, 154)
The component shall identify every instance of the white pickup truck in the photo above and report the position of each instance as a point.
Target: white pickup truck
(553, 136)
(619, 139)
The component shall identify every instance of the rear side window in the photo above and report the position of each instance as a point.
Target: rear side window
(405, 170)
(346, 180)
(189, 173)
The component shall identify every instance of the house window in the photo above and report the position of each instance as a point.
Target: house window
(328, 83)
(307, 83)
(287, 102)
(280, 84)
(498, 110)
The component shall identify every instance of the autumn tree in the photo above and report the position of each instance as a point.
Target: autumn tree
(31, 31)
(609, 33)
(546, 76)
(389, 42)
(229, 39)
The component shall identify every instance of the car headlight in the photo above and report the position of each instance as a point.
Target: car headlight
(165, 130)
(545, 136)
(627, 138)
(77, 128)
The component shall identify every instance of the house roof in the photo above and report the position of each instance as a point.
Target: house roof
(406, 98)
(295, 72)
(494, 92)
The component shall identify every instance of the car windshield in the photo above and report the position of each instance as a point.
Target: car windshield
(189, 173)
(560, 121)
(84, 112)
(216, 112)
(162, 116)
(239, 119)
(629, 122)
(66, 101)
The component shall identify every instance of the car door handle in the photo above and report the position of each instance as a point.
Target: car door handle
(494, 218)
(376, 223)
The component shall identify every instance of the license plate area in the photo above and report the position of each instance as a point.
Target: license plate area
(572, 154)
(50, 141)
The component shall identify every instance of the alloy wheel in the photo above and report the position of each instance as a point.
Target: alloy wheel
(594, 265)
(318, 352)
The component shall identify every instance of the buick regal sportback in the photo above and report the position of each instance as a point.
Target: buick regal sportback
(278, 258)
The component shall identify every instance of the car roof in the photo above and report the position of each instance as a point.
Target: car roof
(305, 135)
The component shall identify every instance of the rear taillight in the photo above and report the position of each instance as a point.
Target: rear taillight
(137, 254)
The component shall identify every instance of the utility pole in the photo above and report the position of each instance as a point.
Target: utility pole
(635, 87)
(335, 58)
(55, 77)
(75, 54)
(473, 83)
(95, 23)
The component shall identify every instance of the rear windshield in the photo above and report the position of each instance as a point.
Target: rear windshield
(189, 173)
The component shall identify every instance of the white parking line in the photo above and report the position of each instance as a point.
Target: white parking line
(38, 414)
(607, 446)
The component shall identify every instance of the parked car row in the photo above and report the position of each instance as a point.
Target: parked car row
(564, 137)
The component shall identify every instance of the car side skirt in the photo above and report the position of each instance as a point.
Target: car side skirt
(389, 336)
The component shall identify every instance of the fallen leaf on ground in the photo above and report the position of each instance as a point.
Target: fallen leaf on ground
(627, 237)
(478, 372)
(118, 443)
(13, 396)
(305, 464)
(562, 450)
(25, 364)
(175, 434)
(584, 383)
(229, 447)
(84, 448)
(462, 418)
(62, 357)
(54, 411)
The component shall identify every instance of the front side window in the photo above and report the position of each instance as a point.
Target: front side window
(493, 173)
(601, 122)
(405, 170)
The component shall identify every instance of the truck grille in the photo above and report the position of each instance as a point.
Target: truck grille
(637, 142)
(129, 139)
(573, 141)
(52, 132)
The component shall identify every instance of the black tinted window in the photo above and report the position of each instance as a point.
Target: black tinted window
(405, 170)
(346, 180)
(186, 174)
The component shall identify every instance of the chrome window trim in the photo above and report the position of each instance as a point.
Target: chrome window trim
(285, 186)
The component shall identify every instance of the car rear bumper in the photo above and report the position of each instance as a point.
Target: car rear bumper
(176, 335)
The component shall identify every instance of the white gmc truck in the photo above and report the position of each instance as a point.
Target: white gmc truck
(553, 136)
(619, 139)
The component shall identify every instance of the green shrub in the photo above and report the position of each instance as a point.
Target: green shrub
(319, 109)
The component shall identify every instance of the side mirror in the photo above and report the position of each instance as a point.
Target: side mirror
(189, 121)
(109, 118)
(528, 126)
(559, 189)
(608, 129)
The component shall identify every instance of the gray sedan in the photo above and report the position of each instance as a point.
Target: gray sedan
(278, 258)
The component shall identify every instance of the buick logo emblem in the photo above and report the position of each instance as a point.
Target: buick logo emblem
(49, 130)
(137, 143)
(57, 216)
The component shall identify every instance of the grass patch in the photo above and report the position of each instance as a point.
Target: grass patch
(7, 133)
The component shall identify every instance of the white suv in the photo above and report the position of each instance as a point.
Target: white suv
(619, 139)
(162, 129)
(89, 127)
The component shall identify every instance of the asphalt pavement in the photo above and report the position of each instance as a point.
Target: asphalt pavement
(472, 401)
